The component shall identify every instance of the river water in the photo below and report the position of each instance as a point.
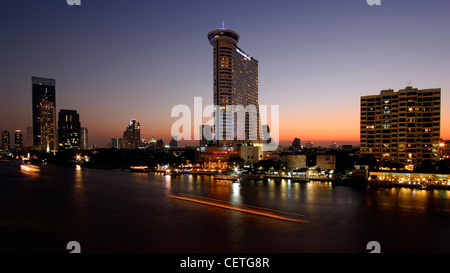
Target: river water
(119, 211)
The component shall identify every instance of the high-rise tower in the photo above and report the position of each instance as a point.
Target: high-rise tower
(69, 129)
(132, 135)
(48, 132)
(43, 90)
(235, 83)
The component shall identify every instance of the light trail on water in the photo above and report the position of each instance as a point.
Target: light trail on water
(245, 208)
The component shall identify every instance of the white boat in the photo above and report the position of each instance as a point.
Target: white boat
(30, 168)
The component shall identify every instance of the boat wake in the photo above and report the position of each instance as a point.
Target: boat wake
(266, 212)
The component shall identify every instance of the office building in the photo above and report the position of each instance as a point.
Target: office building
(295, 162)
(296, 145)
(402, 126)
(6, 140)
(235, 83)
(43, 90)
(327, 162)
(116, 142)
(69, 130)
(173, 142)
(84, 138)
(29, 136)
(132, 135)
(48, 132)
(18, 140)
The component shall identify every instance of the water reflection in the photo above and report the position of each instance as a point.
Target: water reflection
(78, 177)
(236, 193)
(138, 213)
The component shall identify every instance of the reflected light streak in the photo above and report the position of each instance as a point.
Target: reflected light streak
(236, 194)
(29, 168)
(250, 209)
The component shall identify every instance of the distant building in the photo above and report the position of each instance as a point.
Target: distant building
(444, 147)
(326, 161)
(6, 140)
(160, 144)
(132, 135)
(43, 90)
(69, 129)
(84, 138)
(333, 145)
(18, 140)
(309, 145)
(116, 142)
(251, 154)
(48, 132)
(173, 142)
(401, 126)
(347, 148)
(296, 145)
(30, 136)
(296, 162)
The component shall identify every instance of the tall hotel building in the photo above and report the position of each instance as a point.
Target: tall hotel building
(43, 90)
(235, 83)
(402, 126)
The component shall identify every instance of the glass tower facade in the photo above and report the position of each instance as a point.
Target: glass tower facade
(43, 90)
(69, 129)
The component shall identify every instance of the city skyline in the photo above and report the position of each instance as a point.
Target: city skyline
(316, 60)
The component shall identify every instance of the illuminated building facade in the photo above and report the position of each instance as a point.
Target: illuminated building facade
(235, 83)
(18, 140)
(6, 138)
(218, 158)
(132, 135)
(69, 129)
(309, 145)
(43, 90)
(116, 142)
(48, 131)
(402, 126)
(30, 136)
(84, 138)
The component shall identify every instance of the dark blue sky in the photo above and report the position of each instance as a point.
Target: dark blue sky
(114, 60)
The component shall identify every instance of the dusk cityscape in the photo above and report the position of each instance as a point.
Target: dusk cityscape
(202, 128)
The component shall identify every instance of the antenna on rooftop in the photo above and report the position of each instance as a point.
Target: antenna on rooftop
(223, 24)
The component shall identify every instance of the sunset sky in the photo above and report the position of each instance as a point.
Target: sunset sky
(114, 60)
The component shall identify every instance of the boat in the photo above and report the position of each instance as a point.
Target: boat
(139, 169)
(380, 184)
(253, 176)
(226, 177)
(30, 168)
(172, 172)
(301, 179)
